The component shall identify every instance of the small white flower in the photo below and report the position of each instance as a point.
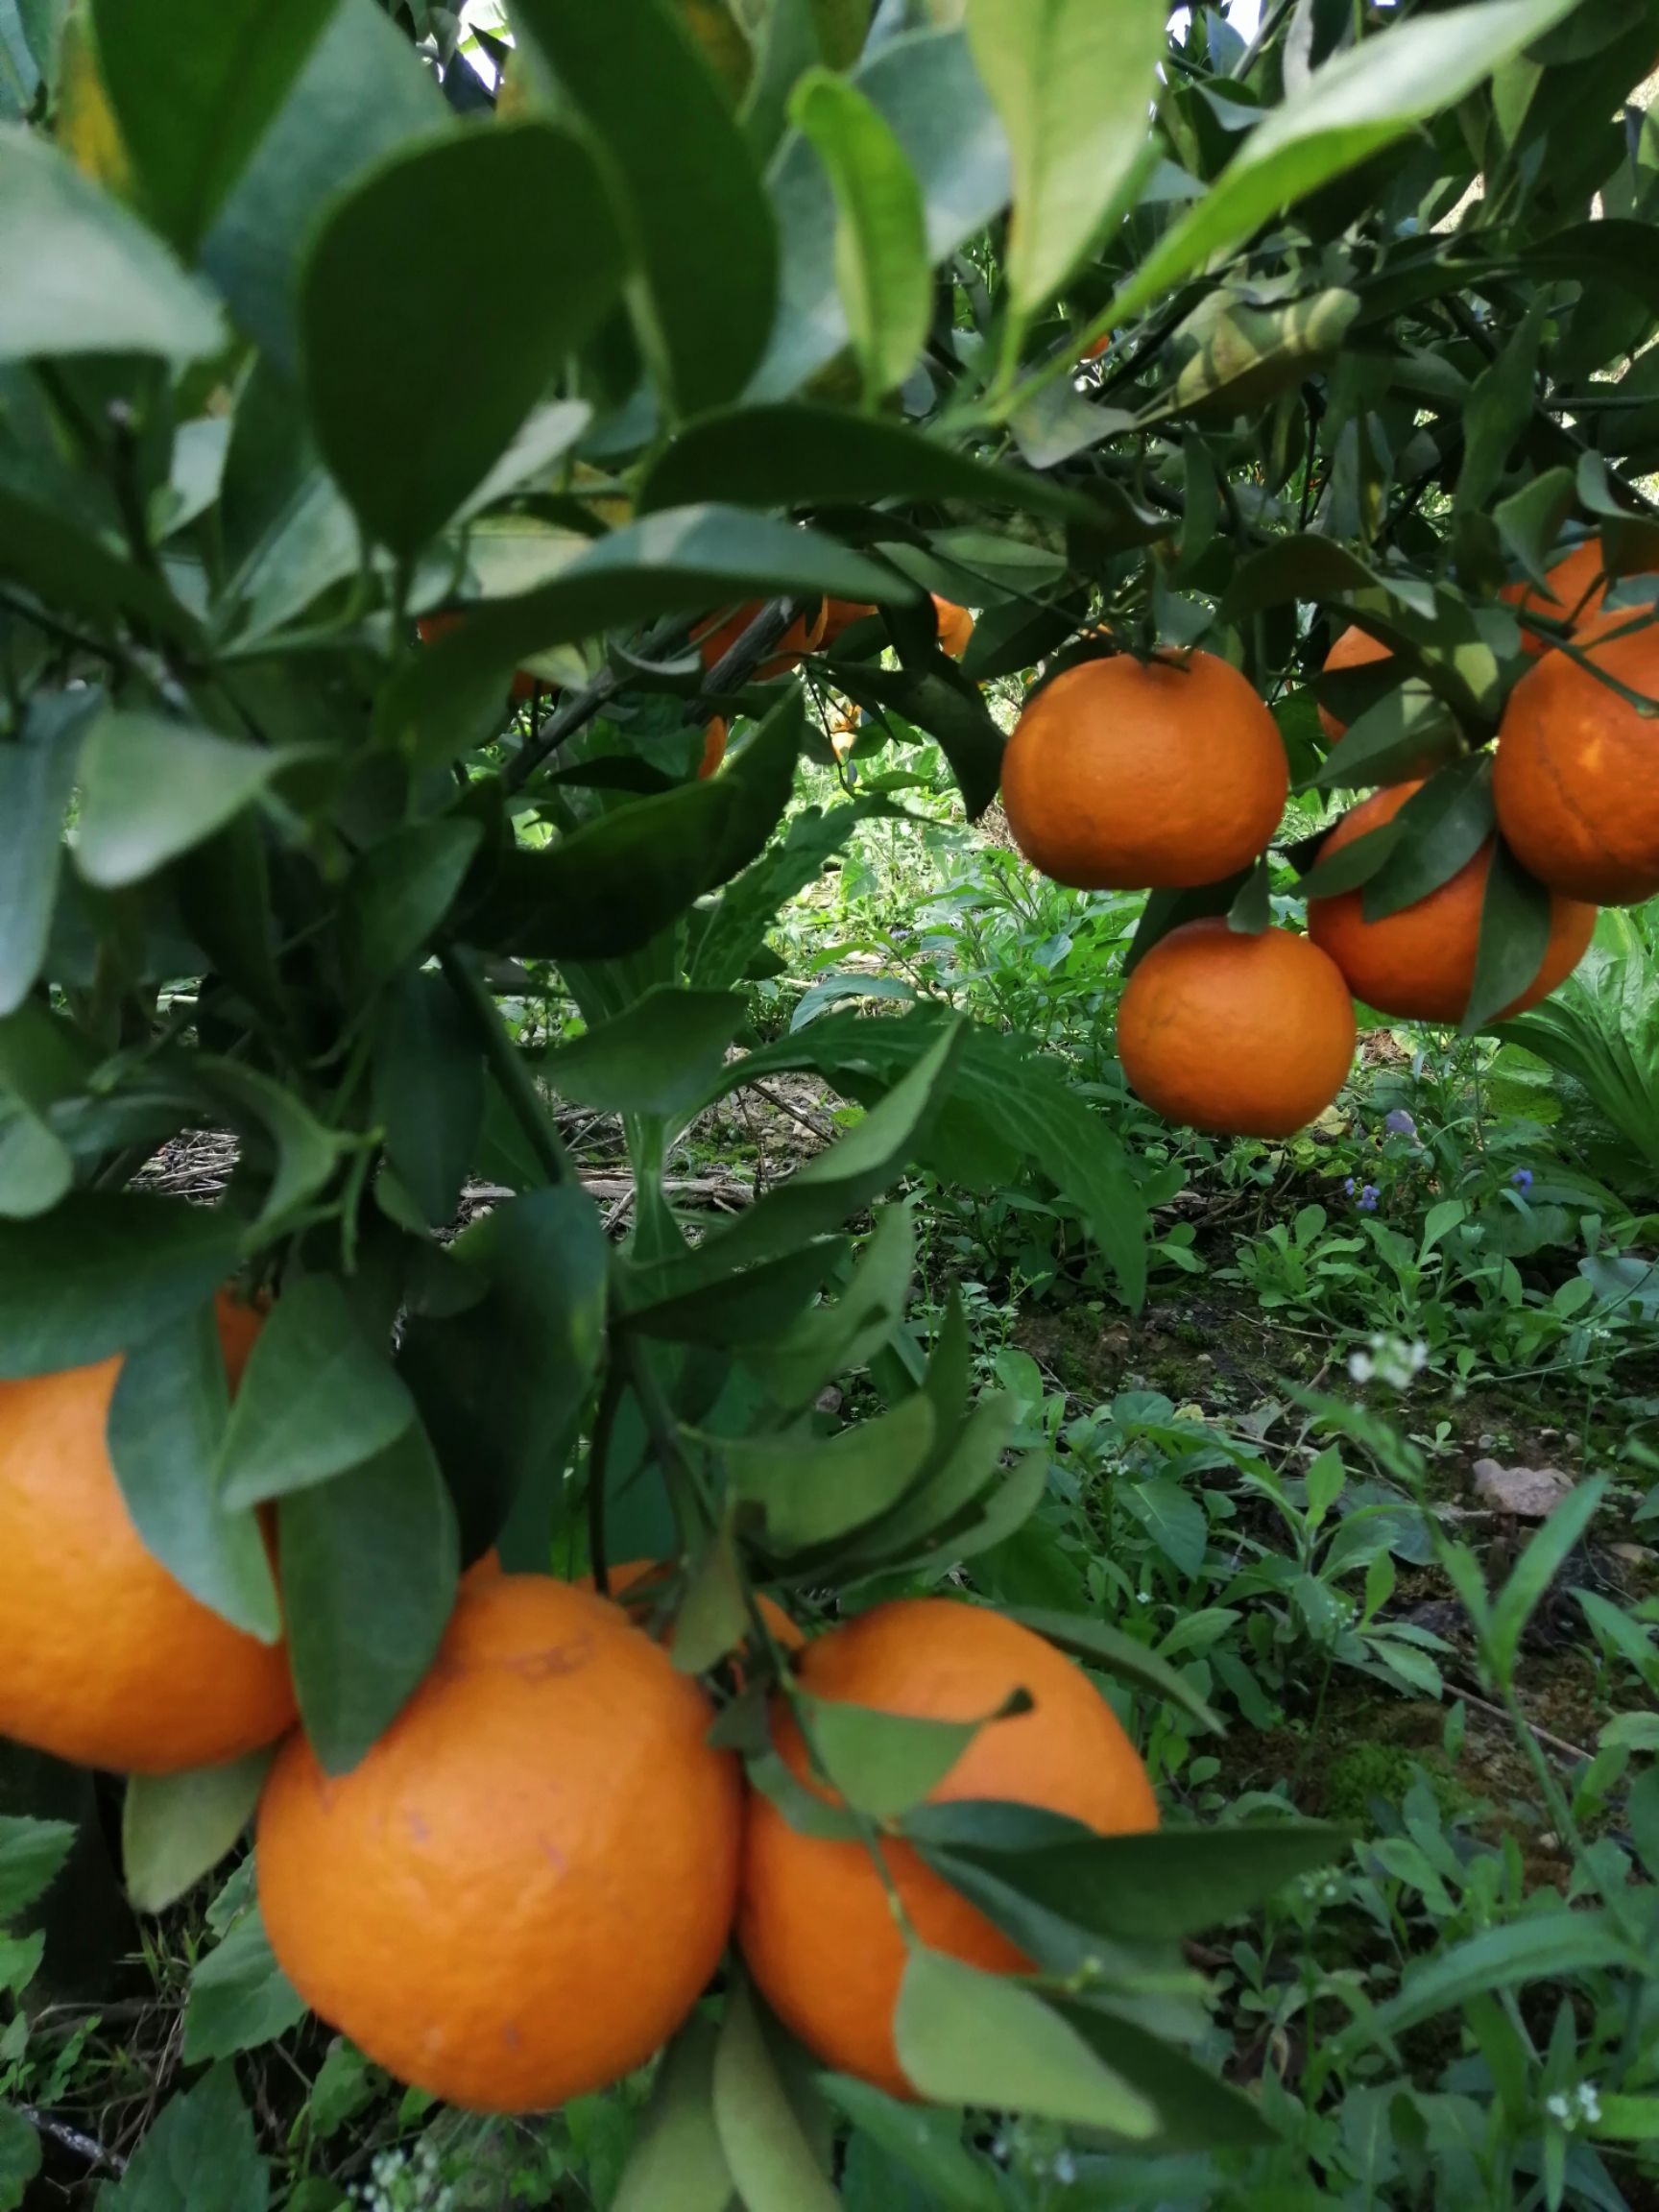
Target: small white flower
(1590, 2101)
(1559, 2110)
(1362, 1366)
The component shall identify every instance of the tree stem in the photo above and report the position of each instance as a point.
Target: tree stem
(507, 1065)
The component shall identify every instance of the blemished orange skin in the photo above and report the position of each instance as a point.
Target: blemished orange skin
(1124, 774)
(637, 1582)
(716, 639)
(1234, 1035)
(1355, 648)
(813, 1918)
(108, 1661)
(520, 1892)
(955, 626)
(713, 749)
(524, 685)
(1420, 962)
(1576, 777)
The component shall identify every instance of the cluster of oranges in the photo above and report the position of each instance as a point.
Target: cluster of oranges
(523, 1888)
(1170, 775)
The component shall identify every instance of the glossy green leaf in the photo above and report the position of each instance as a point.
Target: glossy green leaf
(657, 1057)
(36, 776)
(945, 704)
(1108, 1652)
(1408, 729)
(766, 2148)
(696, 212)
(1515, 925)
(20, 2157)
(811, 1490)
(399, 891)
(36, 1168)
(746, 1309)
(80, 274)
(175, 1828)
(102, 1272)
(363, 92)
(1194, 2109)
(927, 88)
(239, 1999)
(315, 1399)
(194, 85)
(198, 2155)
(152, 789)
(881, 262)
(273, 1119)
(166, 1427)
(927, 2144)
(473, 354)
(966, 2037)
(1551, 1946)
(1074, 82)
(31, 1854)
(794, 1363)
(1442, 828)
(882, 1763)
(66, 567)
(369, 1564)
(676, 2164)
(429, 1091)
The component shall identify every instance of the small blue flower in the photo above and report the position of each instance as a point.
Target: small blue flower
(1400, 1123)
(1368, 1199)
(1350, 1186)
(1522, 1178)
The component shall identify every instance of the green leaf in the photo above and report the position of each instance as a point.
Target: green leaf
(175, 1828)
(766, 2150)
(1172, 1518)
(363, 92)
(882, 1763)
(1442, 828)
(399, 893)
(152, 789)
(1515, 923)
(307, 1153)
(1546, 1554)
(1553, 1945)
(799, 455)
(1133, 1889)
(36, 776)
(1529, 521)
(966, 2037)
(19, 2157)
(199, 2156)
(747, 1307)
(796, 1362)
(30, 1854)
(943, 702)
(430, 1091)
(1195, 2112)
(927, 88)
(69, 570)
(657, 1057)
(1406, 728)
(80, 275)
(194, 83)
(239, 1999)
(927, 2144)
(942, 1508)
(1358, 103)
(1303, 567)
(102, 1272)
(35, 1166)
(678, 161)
(369, 1564)
(1108, 1652)
(681, 560)
(316, 1398)
(166, 1422)
(501, 1384)
(675, 2164)
(811, 1490)
(1074, 82)
(881, 263)
(516, 299)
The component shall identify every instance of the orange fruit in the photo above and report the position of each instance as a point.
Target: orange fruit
(1355, 648)
(840, 614)
(1144, 775)
(716, 636)
(109, 1662)
(1420, 962)
(955, 626)
(1101, 344)
(524, 685)
(813, 1918)
(1239, 1036)
(1577, 584)
(1577, 779)
(637, 1584)
(521, 1890)
(713, 749)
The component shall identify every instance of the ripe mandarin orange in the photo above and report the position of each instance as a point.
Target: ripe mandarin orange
(1132, 775)
(1577, 778)
(521, 1890)
(524, 685)
(1420, 962)
(1577, 584)
(1355, 648)
(1101, 345)
(840, 614)
(1239, 1036)
(109, 1662)
(813, 1917)
(715, 637)
(955, 627)
(713, 749)
(637, 1584)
